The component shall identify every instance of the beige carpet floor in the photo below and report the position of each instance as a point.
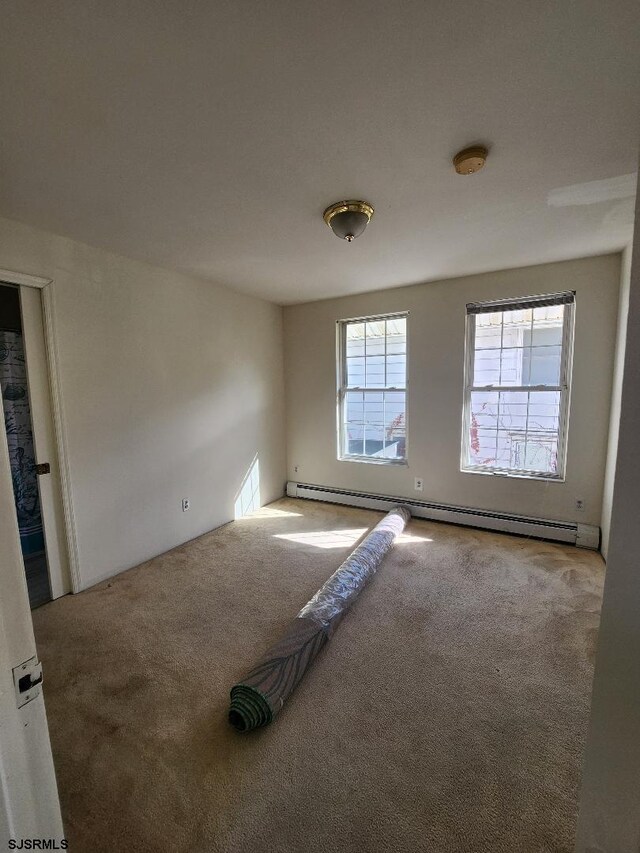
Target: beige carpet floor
(448, 713)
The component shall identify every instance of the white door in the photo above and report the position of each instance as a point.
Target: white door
(44, 440)
(29, 806)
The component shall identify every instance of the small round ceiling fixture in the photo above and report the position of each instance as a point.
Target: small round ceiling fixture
(470, 160)
(348, 219)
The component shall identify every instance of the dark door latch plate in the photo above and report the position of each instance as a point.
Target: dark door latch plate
(43, 468)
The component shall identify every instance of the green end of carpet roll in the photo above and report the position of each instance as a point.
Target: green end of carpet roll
(249, 708)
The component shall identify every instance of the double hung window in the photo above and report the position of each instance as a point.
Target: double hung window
(517, 383)
(372, 389)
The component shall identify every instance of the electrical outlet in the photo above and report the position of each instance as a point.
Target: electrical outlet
(186, 504)
(417, 484)
(579, 504)
(295, 469)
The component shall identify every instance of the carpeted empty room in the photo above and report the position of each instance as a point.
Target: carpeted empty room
(320, 470)
(448, 713)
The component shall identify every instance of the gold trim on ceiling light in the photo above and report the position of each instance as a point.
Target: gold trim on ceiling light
(344, 206)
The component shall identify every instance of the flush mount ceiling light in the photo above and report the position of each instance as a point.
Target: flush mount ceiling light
(470, 160)
(348, 219)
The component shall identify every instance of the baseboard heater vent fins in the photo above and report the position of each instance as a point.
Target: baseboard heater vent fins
(582, 535)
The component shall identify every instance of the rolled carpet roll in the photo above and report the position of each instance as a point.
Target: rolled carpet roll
(259, 696)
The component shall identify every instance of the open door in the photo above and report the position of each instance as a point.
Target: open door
(27, 405)
(29, 806)
(46, 456)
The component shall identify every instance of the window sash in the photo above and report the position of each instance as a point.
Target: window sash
(343, 388)
(373, 390)
(563, 387)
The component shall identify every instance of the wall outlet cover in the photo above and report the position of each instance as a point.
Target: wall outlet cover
(418, 484)
(186, 504)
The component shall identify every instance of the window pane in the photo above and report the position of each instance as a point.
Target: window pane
(486, 367)
(374, 375)
(353, 411)
(355, 339)
(375, 339)
(543, 414)
(483, 427)
(514, 430)
(355, 372)
(536, 453)
(375, 353)
(515, 348)
(511, 361)
(484, 408)
(513, 407)
(518, 319)
(489, 321)
(373, 423)
(541, 365)
(396, 370)
(543, 356)
(395, 428)
(488, 335)
(397, 336)
(549, 315)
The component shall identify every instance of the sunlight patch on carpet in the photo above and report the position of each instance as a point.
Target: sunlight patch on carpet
(325, 538)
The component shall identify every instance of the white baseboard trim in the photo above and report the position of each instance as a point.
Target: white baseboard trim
(582, 535)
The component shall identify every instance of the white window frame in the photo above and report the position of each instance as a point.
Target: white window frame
(564, 386)
(341, 362)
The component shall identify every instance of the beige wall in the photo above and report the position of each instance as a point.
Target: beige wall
(610, 800)
(616, 396)
(170, 386)
(435, 377)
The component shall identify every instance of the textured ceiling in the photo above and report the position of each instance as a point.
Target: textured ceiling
(209, 136)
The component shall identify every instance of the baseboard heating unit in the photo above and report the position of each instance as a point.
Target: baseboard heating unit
(582, 535)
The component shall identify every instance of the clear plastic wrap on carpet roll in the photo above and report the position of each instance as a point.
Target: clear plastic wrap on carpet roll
(334, 597)
(259, 696)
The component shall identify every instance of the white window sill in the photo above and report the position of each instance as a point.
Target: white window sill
(516, 475)
(368, 460)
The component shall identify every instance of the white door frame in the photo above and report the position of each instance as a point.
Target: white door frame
(45, 286)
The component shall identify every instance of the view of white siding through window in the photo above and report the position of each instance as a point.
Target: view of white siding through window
(372, 395)
(516, 389)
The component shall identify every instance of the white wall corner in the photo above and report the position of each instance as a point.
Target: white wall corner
(616, 395)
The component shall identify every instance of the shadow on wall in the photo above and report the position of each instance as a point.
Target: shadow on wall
(248, 498)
